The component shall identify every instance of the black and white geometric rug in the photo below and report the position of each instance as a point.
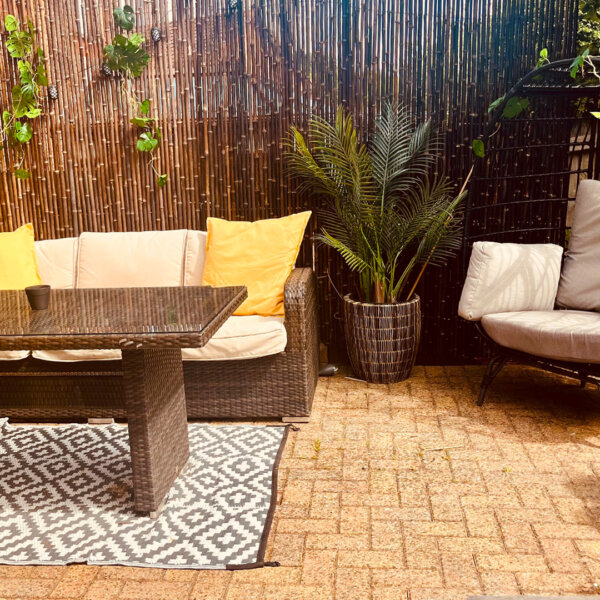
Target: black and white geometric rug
(66, 497)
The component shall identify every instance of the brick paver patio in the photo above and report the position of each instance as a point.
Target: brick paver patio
(408, 491)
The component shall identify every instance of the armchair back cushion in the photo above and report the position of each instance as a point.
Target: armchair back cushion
(132, 259)
(510, 277)
(579, 286)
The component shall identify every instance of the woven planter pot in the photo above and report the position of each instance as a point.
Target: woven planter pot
(382, 339)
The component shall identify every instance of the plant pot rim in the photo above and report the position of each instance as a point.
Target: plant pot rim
(413, 300)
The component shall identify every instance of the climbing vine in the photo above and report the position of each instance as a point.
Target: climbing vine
(26, 106)
(581, 69)
(127, 57)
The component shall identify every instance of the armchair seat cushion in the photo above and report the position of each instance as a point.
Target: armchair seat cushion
(568, 335)
(238, 338)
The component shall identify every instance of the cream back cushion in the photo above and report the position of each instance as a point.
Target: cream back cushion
(510, 277)
(135, 259)
(56, 262)
(195, 256)
(579, 286)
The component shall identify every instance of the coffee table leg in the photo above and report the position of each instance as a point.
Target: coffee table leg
(157, 418)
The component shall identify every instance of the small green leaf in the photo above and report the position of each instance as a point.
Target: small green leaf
(22, 174)
(6, 117)
(146, 143)
(40, 75)
(11, 23)
(141, 122)
(161, 180)
(495, 104)
(136, 39)
(145, 106)
(124, 17)
(543, 58)
(514, 107)
(19, 44)
(478, 148)
(23, 132)
(595, 114)
(33, 113)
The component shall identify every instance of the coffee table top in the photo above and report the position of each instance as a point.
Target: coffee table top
(171, 317)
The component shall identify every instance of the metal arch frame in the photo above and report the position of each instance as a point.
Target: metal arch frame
(583, 372)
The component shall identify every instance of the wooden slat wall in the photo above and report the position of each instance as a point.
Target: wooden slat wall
(229, 78)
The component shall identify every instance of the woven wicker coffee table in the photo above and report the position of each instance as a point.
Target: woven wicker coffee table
(149, 326)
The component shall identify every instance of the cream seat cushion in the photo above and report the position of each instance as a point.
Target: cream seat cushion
(239, 338)
(579, 286)
(510, 277)
(133, 259)
(571, 335)
(250, 336)
(14, 354)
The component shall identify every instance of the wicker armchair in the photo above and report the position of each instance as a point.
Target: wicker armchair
(280, 386)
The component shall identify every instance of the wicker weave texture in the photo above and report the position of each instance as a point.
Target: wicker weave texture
(156, 416)
(276, 386)
(382, 339)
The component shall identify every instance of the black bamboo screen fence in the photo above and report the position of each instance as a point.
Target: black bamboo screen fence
(228, 78)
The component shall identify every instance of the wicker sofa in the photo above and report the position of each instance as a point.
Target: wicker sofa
(533, 307)
(254, 367)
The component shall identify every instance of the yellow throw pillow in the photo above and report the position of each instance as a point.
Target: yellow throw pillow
(259, 255)
(18, 263)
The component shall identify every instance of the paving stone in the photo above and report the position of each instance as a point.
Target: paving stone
(380, 513)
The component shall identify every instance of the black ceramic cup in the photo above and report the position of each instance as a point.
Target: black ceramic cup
(38, 296)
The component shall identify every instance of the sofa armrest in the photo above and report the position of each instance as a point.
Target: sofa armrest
(510, 278)
(301, 318)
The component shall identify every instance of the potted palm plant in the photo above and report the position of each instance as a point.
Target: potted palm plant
(388, 218)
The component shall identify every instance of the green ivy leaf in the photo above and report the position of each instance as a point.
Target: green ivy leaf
(33, 113)
(595, 114)
(543, 58)
(6, 117)
(11, 23)
(514, 107)
(141, 122)
(23, 132)
(136, 39)
(478, 148)
(145, 106)
(124, 17)
(146, 143)
(23, 100)
(22, 174)
(126, 57)
(161, 180)
(19, 44)
(40, 75)
(495, 104)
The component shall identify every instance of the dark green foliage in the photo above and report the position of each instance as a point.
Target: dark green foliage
(383, 213)
(588, 32)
